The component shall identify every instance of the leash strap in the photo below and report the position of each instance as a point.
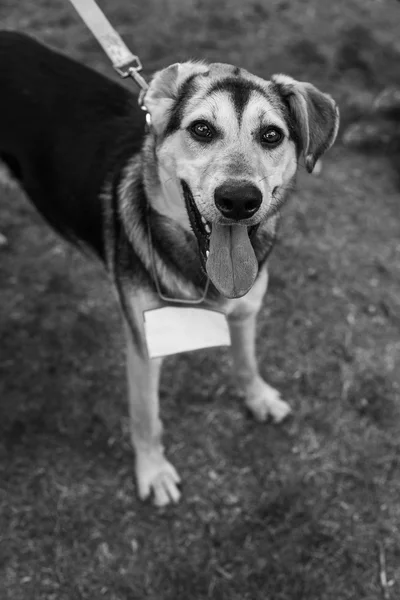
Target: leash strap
(124, 62)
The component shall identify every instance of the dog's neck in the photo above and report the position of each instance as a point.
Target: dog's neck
(163, 191)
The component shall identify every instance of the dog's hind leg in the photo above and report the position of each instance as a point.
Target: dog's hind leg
(261, 399)
(154, 474)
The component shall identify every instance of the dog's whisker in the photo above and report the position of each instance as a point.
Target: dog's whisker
(263, 178)
(165, 182)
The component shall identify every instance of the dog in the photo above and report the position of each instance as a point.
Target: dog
(186, 194)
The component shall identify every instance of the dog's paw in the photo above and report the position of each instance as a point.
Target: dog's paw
(156, 477)
(264, 401)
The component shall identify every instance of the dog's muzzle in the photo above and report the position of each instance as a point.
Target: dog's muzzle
(225, 249)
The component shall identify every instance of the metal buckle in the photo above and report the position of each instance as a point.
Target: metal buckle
(125, 70)
(133, 69)
(132, 72)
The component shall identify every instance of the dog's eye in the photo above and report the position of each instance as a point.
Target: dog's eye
(271, 136)
(202, 131)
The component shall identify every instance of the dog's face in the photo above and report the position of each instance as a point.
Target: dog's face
(227, 145)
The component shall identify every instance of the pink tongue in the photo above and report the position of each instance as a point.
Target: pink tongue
(231, 265)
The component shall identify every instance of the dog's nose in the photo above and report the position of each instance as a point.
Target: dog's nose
(237, 199)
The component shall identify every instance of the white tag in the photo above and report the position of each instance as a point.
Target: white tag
(172, 329)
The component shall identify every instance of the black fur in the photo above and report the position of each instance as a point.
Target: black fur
(63, 128)
(240, 91)
(187, 90)
(293, 128)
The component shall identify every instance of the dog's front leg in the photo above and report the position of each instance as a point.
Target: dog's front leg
(154, 474)
(261, 399)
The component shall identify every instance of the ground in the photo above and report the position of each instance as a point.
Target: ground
(308, 510)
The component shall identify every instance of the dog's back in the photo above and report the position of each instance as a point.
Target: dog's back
(63, 128)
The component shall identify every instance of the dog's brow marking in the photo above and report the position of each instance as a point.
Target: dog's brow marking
(287, 115)
(186, 92)
(277, 120)
(264, 113)
(240, 91)
(251, 85)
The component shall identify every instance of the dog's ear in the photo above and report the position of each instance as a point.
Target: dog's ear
(316, 116)
(165, 88)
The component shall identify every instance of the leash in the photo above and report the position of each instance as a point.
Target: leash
(124, 62)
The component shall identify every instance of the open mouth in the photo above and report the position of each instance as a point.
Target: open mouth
(201, 228)
(226, 251)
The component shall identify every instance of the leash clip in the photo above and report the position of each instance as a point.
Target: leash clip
(126, 69)
(132, 69)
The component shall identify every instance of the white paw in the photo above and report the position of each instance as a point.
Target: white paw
(157, 477)
(263, 401)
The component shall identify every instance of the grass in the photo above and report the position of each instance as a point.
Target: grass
(309, 510)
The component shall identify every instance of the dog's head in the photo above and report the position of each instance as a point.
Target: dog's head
(227, 145)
